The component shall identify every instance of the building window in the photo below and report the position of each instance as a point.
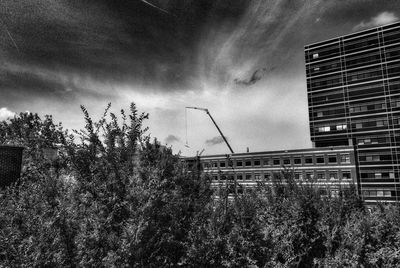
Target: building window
(346, 175)
(297, 161)
(320, 114)
(344, 158)
(214, 164)
(371, 158)
(248, 163)
(324, 129)
(341, 127)
(257, 176)
(310, 176)
(322, 192)
(266, 162)
(222, 164)
(308, 160)
(248, 176)
(239, 163)
(298, 176)
(286, 161)
(358, 125)
(239, 177)
(332, 159)
(257, 162)
(333, 175)
(315, 56)
(321, 176)
(267, 177)
(334, 193)
(380, 123)
(320, 160)
(277, 162)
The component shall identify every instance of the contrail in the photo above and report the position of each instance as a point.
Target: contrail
(150, 4)
(9, 35)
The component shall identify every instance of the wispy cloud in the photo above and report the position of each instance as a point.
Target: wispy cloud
(234, 54)
(382, 18)
(171, 139)
(5, 113)
(214, 141)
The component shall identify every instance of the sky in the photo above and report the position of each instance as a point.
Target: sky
(243, 60)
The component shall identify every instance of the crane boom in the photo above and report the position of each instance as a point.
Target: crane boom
(212, 119)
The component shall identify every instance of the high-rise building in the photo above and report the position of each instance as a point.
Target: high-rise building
(353, 86)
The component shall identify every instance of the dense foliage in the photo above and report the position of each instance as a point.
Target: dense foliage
(114, 198)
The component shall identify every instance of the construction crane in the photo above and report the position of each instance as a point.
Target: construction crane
(220, 132)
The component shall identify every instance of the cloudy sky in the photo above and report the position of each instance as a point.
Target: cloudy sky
(243, 60)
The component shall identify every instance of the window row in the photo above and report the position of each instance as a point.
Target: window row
(332, 175)
(369, 123)
(373, 140)
(377, 193)
(360, 91)
(325, 83)
(352, 46)
(353, 77)
(374, 157)
(324, 67)
(330, 112)
(366, 124)
(326, 128)
(361, 43)
(392, 54)
(363, 60)
(377, 175)
(358, 108)
(352, 61)
(325, 97)
(319, 159)
(323, 53)
(299, 176)
(359, 76)
(391, 38)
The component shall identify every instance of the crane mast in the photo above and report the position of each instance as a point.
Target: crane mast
(212, 119)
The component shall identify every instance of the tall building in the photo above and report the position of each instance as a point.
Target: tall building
(353, 86)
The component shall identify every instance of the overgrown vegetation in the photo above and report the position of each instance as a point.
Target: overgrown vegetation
(115, 198)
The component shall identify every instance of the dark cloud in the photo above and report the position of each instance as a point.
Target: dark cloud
(31, 83)
(171, 139)
(112, 40)
(22, 84)
(255, 77)
(214, 141)
(161, 44)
